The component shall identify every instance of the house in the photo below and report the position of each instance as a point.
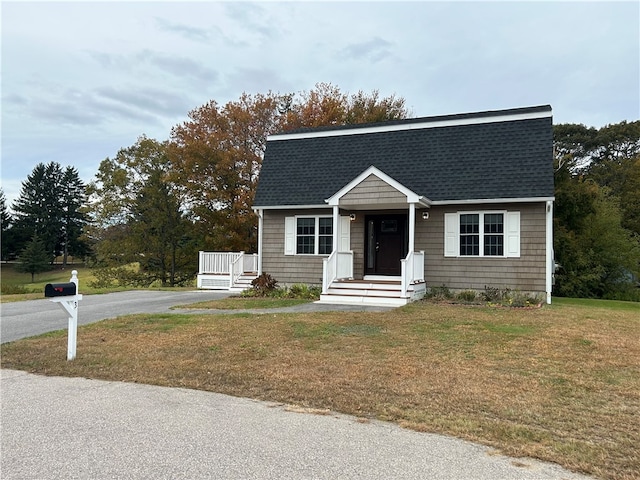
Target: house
(375, 213)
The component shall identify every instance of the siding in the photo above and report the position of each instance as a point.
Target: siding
(525, 273)
(372, 191)
(288, 269)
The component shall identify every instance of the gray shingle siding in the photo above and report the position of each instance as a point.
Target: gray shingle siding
(496, 160)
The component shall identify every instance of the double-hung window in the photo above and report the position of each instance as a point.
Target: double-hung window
(482, 234)
(493, 234)
(309, 235)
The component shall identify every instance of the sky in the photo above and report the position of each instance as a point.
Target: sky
(81, 80)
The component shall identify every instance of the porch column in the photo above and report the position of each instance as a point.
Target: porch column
(336, 223)
(549, 251)
(260, 221)
(412, 226)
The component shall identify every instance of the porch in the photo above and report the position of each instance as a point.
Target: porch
(232, 271)
(339, 285)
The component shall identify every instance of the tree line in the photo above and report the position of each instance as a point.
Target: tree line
(156, 203)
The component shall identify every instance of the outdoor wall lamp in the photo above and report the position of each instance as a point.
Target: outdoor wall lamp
(425, 215)
(352, 217)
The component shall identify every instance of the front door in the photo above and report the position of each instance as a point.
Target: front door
(386, 244)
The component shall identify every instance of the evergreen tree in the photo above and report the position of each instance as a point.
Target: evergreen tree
(50, 206)
(75, 219)
(5, 227)
(34, 258)
(38, 209)
(159, 227)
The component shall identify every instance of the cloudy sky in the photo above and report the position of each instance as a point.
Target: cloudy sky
(80, 80)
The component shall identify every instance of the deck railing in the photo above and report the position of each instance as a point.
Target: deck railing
(337, 265)
(225, 262)
(412, 271)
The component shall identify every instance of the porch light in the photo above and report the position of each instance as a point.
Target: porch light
(352, 217)
(425, 215)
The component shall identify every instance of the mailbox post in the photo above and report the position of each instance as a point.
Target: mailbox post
(66, 295)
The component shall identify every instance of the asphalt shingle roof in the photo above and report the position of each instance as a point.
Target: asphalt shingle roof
(500, 159)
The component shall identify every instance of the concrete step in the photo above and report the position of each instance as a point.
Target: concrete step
(363, 300)
(363, 292)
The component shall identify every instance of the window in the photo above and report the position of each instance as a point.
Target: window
(493, 234)
(482, 234)
(305, 235)
(308, 235)
(325, 236)
(470, 234)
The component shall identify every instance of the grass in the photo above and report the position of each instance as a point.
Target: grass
(559, 383)
(14, 281)
(246, 303)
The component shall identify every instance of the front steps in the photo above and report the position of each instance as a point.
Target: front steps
(371, 292)
(244, 282)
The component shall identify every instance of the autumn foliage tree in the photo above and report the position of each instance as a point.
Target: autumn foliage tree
(216, 157)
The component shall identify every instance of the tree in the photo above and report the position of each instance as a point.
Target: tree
(159, 226)
(34, 258)
(38, 209)
(218, 152)
(216, 157)
(5, 226)
(615, 165)
(75, 218)
(50, 206)
(139, 214)
(328, 105)
(599, 254)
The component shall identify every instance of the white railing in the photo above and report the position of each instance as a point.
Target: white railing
(337, 265)
(217, 262)
(412, 271)
(236, 270)
(250, 263)
(233, 264)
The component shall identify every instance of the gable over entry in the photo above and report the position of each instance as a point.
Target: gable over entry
(374, 189)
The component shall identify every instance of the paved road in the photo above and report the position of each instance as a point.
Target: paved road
(55, 428)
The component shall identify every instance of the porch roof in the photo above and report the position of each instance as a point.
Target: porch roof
(505, 154)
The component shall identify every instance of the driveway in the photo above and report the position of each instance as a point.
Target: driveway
(54, 427)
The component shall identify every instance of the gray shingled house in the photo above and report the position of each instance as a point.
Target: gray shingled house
(375, 213)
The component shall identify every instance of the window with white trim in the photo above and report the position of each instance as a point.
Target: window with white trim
(482, 234)
(308, 235)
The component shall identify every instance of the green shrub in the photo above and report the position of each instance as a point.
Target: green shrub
(467, 296)
(10, 289)
(494, 294)
(304, 291)
(439, 293)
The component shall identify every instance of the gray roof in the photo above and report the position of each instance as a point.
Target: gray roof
(505, 154)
